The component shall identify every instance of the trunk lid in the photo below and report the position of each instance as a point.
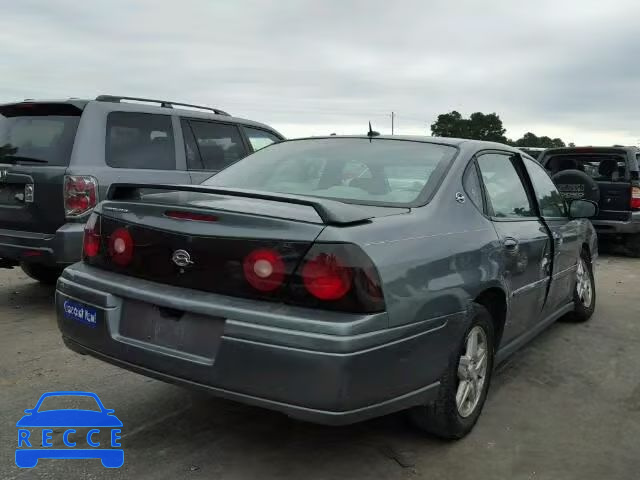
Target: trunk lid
(193, 239)
(206, 254)
(36, 140)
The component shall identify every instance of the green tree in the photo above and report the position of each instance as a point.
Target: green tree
(479, 126)
(532, 140)
(486, 127)
(450, 125)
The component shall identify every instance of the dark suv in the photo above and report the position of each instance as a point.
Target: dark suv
(58, 159)
(607, 175)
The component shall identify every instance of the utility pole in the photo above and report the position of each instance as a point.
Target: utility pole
(392, 119)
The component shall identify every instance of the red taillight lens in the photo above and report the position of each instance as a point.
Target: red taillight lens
(80, 194)
(121, 247)
(264, 270)
(91, 242)
(326, 278)
(635, 198)
(337, 276)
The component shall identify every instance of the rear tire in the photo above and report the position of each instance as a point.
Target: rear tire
(446, 417)
(584, 294)
(42, 273)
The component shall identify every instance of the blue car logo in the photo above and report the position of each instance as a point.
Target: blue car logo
(32, 447)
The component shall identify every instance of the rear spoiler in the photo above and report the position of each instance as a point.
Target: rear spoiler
(331, 212)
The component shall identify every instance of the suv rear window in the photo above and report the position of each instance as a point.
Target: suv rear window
(140, 140)
(603, 168)
(38, 131)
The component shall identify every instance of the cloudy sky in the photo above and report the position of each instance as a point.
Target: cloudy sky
(567, 68)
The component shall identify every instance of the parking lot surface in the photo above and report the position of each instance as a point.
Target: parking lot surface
(565, 407)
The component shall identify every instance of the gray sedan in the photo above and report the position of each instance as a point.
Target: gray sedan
(335, 279)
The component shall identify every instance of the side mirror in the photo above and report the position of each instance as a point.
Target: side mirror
(29, 410)
(583, 209)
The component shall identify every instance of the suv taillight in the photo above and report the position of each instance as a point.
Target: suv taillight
(92, 240)
(635, 198)
(80, 194)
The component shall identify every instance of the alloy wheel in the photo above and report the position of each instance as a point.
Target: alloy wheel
(583, 284)
(472, 371)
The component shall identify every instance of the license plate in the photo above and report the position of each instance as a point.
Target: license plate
(80, 313)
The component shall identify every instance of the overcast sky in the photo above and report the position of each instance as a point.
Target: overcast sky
(559, 68)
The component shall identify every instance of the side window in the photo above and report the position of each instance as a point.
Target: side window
(194, 162)
(259, 138)
(219, 144)
(549, 199)
(140, 140)
(507, 196)
(471, 184)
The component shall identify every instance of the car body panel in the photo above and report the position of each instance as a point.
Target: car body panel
(432, 266)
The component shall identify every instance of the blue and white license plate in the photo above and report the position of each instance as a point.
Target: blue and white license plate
(80, 313)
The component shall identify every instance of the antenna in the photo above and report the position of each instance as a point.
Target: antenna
(371, 133)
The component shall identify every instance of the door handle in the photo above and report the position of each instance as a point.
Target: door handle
(510, 244)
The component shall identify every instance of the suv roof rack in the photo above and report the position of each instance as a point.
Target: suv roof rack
(163, 103)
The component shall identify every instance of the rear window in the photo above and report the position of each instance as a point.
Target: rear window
(38, 133)
(350, 169)
(140, 140)
(603, 168)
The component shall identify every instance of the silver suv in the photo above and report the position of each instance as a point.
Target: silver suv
(59, 158)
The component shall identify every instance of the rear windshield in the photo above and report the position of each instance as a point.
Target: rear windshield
(355, 170)
(604, 168)
(31, 131)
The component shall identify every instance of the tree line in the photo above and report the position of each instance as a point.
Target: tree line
(487, 126)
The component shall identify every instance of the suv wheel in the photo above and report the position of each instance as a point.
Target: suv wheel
(464, 386)
(42, 273)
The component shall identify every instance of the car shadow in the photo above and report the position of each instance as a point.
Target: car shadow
(19, 291)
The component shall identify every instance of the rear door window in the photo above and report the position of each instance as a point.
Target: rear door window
(219, 144)
(259, 138)
(38, 132)
(140, 140)
(507, 196)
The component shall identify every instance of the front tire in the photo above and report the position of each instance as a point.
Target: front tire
(464, 386)
(42, 273)
(584, 293)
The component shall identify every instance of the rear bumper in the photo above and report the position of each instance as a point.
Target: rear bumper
(63, 247)
(323, 367)
(618, 227)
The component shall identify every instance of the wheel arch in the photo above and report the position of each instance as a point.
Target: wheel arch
(494, 299)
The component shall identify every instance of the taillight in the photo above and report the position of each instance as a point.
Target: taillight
(635, 198)
(121, 247)
(337, 276)
(80, 194)
(91, 241)
(264, 269)
(326, 278)
(194, 216)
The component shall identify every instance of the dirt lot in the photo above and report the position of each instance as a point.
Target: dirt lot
(566, 407)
